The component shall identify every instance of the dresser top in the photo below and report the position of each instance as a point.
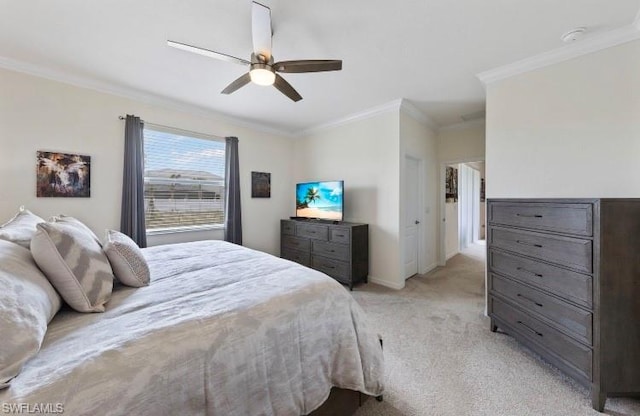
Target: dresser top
(326, 222)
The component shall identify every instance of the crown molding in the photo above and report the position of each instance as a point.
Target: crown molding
(463, 125)
(361, 115)
(411, 110)
(399, 105)
(588, 45)
(132, 94)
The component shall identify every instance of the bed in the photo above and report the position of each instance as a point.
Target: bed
(220, 330)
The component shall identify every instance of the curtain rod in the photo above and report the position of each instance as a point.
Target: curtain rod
(177, 129)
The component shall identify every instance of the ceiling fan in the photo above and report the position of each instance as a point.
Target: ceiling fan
(262, 69)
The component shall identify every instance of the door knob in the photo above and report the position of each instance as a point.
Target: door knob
(417, 222)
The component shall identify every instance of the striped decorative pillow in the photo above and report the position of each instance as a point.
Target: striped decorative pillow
(75, 264)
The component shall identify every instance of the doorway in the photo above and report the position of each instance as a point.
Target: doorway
(463, 208)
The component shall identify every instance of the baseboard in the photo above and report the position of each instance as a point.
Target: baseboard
(429, 268)
(452, 254)
(386, 283)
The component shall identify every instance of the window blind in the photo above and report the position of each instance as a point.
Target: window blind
(183, 180)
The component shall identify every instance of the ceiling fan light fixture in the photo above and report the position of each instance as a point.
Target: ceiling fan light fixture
(262, 76)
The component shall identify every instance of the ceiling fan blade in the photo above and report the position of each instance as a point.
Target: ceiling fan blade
(286, 88)
(237, 84)
(261, 30)
(207, 52)
(309, 65)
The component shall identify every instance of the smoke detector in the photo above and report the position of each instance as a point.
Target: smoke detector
(574, 35)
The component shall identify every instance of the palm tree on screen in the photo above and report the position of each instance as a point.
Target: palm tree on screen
(313, 194)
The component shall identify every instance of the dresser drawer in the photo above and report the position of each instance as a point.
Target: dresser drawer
(334, 268)
(301, 257)
(333, 250)
(562, 218)
(288, 227)
(315, 231)
(571, 352)
(295, 243)
(340, 235)
(570, 318)
(573, 286)
(570, 252)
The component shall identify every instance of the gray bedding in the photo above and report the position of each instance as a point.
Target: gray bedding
(221, 330)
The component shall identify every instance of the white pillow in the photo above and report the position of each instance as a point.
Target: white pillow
(127, 260)
(21, 228)
(75, 264)
(27, 303)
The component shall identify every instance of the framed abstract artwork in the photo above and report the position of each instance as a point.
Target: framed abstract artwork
(63, 175)
(451, 184)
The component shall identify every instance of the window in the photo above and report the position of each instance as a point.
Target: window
(183, 180)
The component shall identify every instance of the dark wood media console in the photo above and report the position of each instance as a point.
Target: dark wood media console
(564, 279)
(339, 249)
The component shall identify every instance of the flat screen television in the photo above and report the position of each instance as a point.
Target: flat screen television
(320, 200)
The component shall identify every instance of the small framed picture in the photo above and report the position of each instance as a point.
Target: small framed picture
(260, 185)
(63, 175)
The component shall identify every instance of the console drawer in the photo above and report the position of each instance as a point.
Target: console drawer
(288, 227)
(574, 286)
(300, 257)
(315, 231)
(295, 243)
(571, 352)
(562, 218)
(334, 268)
(339, 235)
(566, 251)
(332, 250)
(572, 319)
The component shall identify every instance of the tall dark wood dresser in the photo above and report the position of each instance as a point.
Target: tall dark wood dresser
(564, 280)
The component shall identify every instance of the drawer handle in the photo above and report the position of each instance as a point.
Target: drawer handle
(529, 299)
(530, 329)
(529, 215)
(528, 271)
(331, 267)
(339, 235)
(332, 251)
(526, 243)
(312, 232)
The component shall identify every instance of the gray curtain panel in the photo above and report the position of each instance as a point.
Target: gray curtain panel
(233, 216)
(132, 213)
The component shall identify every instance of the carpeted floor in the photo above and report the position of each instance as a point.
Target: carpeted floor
(441, 359)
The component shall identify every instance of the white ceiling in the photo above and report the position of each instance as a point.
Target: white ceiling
(426, 51)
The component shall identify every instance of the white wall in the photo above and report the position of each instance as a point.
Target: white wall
(452, 245)
(365, 154)
(462, 143)
(39, 114)
(567, 130)
(418, 141)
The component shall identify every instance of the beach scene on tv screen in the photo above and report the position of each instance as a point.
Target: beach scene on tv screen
(319, 200)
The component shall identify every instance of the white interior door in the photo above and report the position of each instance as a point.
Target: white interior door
(412, 217)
